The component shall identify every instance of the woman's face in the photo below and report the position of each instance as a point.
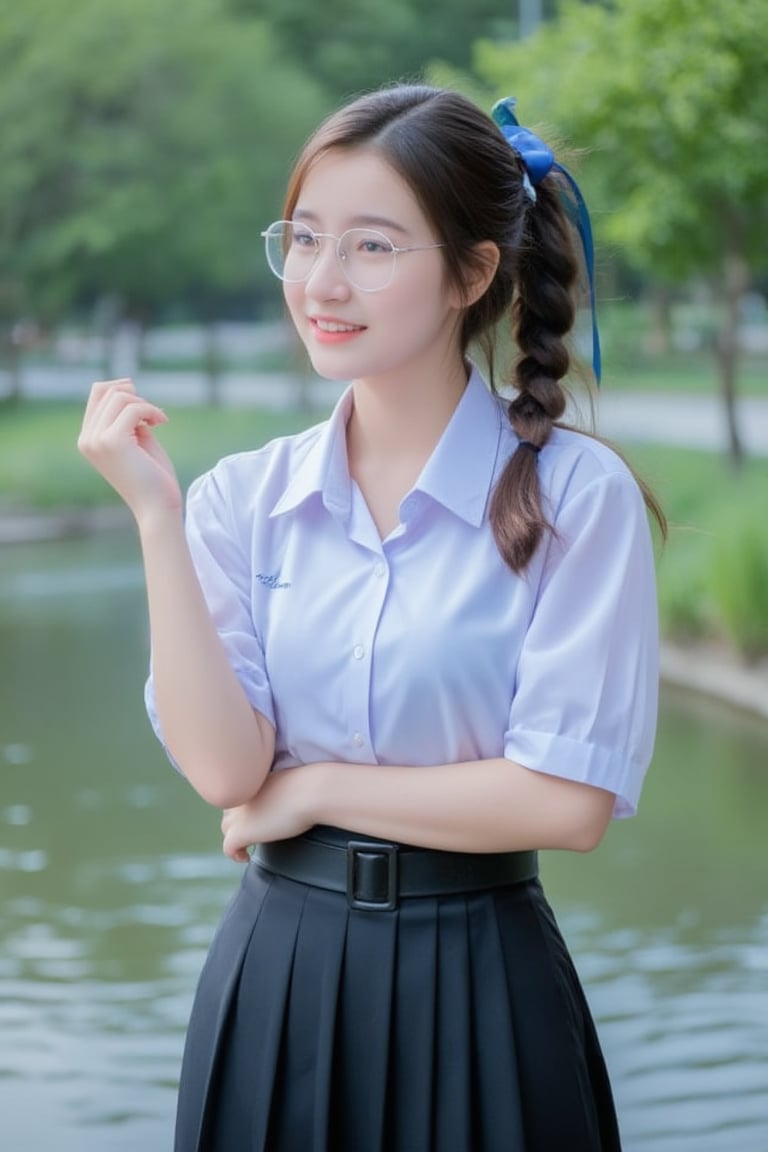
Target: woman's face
(408, 326)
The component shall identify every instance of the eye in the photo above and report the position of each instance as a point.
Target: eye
(304, 237)
(370, 245)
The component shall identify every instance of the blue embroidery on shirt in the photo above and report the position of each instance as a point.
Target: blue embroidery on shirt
(272, 581)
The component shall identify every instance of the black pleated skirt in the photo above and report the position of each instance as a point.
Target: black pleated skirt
(451, 1024)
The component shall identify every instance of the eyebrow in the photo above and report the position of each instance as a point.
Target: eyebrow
(361, 221)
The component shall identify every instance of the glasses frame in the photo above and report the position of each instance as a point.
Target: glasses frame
(340, 256)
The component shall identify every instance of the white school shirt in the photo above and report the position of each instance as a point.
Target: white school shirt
(425, 648)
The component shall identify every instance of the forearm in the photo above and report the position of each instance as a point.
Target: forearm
(221, 745)
(482, 806)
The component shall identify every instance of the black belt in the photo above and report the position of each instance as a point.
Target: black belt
(375, 874)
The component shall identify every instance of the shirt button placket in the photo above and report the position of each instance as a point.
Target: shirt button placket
(359, 734)
(361, 692)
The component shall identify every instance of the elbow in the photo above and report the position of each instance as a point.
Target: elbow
(592, 817)
(583, 817)
(225, 772)
(223, 795)
(585, 838)
(219, 795)
(218, 788)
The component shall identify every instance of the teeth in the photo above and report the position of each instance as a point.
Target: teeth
(330, 326)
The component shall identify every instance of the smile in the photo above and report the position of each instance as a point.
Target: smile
(336, 326)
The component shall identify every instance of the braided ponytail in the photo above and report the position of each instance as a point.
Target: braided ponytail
(542, 315)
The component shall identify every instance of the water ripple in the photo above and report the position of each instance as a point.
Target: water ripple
(685, 1030)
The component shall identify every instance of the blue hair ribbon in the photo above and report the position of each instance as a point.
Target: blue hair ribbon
(538, 161)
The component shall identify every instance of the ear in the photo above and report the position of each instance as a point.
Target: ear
(479, 273)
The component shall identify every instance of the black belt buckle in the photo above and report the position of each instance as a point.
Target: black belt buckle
(372, 875)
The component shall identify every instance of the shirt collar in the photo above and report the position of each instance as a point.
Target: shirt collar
(459, 473)
(324, 470)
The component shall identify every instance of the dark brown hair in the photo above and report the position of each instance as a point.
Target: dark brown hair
(469, 184)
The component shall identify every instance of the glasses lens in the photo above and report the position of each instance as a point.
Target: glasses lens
(368, 258)
(291, 250)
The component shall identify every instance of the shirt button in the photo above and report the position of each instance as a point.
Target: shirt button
(358, 651)
(380, 568)
(358, 740)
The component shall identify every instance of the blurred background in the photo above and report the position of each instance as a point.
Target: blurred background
(144, 145)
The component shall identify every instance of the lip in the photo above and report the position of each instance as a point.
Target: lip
(341, 332)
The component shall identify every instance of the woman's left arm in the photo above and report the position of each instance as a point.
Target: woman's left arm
(479, 806)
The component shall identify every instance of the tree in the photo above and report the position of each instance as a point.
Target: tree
(671, 98)
(145, 144)
(355, 45)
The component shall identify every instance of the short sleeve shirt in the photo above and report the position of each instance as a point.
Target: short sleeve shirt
(425, 648)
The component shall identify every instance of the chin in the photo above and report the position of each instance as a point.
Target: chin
(329, 364)
(327, 372)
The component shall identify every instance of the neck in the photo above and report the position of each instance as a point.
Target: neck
(403, 418)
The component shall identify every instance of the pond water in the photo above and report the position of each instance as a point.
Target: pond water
(111, 883)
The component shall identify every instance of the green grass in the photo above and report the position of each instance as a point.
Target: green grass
(713, 572)
(692, 372)
(41, 468)
(740, 581)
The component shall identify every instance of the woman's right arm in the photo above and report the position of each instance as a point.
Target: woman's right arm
(221, 744)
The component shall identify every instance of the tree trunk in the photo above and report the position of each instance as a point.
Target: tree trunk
(735, 284)
(661, 320)
(212, 365)
(11, 328)
(127, 348)
(140, 350)
(14, 370)
(529, 16)
(10, 358)
(106, 320)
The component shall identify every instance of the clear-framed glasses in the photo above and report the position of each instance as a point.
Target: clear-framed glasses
(366, 256)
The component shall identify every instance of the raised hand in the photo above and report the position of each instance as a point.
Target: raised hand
(117, 439)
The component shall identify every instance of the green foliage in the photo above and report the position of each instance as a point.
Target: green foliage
(713, 572)
(685, 611)
(671, 99)
(739, 578)
(144, 144)
(354, 45)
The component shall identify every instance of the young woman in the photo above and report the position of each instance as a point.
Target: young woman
(402, 651)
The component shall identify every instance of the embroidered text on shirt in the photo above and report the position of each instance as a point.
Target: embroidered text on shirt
(272, 581)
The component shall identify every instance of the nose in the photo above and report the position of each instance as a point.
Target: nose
(327, 281)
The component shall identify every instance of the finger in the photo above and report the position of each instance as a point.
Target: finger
(118, 422)
(102, 388)
(118, 402)
(117, 396)
(111, 399)
(155, 418)
(234, 850)
(120, 413)
(105, 400)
